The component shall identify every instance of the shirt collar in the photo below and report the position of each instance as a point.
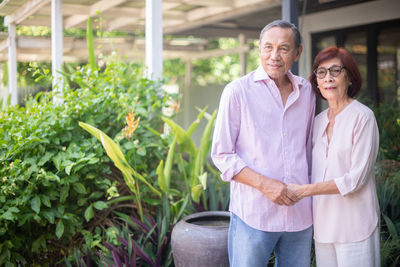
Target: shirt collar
(261, 75)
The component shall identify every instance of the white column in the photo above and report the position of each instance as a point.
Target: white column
(56, 46)
(154, 39)
(12, 64)
(242, 55)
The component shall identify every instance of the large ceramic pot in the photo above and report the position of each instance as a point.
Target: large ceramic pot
(201, 239)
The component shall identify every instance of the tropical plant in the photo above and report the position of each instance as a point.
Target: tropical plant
(178, 190)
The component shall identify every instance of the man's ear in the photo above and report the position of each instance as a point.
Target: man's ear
(298, 53)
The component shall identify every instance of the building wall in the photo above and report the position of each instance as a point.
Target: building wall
(199, 96)
(360, 14)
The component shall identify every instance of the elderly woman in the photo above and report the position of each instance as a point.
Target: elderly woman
(345, 146)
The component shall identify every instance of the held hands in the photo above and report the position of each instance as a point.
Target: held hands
(298, 190)
(283, 194)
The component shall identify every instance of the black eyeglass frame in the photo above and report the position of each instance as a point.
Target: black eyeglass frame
(330, 69)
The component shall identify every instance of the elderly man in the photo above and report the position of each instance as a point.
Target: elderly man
(262, 142)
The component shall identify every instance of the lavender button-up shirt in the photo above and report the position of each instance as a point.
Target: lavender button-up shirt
(254, 129)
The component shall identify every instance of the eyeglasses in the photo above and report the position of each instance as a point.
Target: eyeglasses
(334, 71)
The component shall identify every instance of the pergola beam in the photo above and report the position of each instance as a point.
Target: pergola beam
(204, 16)
(25, 11)
(97, 7)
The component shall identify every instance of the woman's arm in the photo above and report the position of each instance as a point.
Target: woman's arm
(308, 190)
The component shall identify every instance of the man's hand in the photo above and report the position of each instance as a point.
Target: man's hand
(278, 193)
(297, 190)
(275, 190)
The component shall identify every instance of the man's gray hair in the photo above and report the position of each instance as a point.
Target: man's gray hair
(286, 25)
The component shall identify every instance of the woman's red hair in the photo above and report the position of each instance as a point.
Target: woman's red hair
(348, 62)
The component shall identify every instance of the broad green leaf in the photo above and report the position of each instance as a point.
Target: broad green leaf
(182, 208)
(52, 176)
(196, 192)
(82, 201)
(161, 178)
(152, 201)
(45, 158)
(112, 147)
(183, 138)
(48, 215)
(152, 130)
(89, 213)
(61, 210)
(57, 160)
(59, 229)
(201, 155)
(100, 205)
(79, 188)
(194, 124)
(96, 195)
(168, 164)
(91, 129)
(35, 204)
(115, 153)
(206, 114)
(68, 216)
(22, 219)
(64, 193)
(203, 180)
(46, 200)
(391, 227)
(9, 214)
(69, 167)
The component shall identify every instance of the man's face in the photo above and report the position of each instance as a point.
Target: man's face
(278, 52)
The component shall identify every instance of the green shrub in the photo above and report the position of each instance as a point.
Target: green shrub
(388, 187)
(387, 117)
(55, 175)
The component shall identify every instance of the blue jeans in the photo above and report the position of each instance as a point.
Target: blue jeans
(248, 247)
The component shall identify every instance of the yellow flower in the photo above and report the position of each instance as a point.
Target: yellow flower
(132, 125)
(175, 106)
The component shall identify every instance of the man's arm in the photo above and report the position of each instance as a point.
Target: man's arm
(275, 190)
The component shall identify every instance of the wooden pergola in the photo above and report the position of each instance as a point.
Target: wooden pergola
(200, 19)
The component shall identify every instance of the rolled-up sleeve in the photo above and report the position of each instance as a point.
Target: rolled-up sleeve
(226, 131)
(363, 157)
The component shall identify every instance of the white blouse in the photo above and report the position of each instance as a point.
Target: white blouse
(349, 160)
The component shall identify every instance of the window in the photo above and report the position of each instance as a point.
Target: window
(389, 65)
(376, 49)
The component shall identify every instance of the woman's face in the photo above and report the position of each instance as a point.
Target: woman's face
(333, 86)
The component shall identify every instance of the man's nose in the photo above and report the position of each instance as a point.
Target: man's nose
(275, 54)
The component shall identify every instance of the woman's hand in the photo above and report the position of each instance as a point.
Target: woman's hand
(298, 190)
